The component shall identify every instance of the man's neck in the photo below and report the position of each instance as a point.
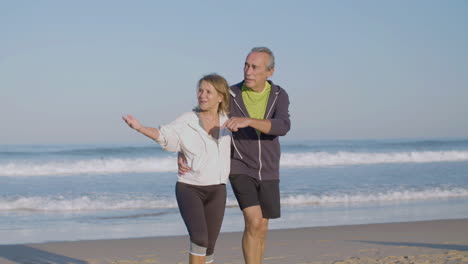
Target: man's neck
(258, 89)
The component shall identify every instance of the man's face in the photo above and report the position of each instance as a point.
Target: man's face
(255, 71)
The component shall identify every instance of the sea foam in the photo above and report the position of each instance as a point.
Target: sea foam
(87, 203)
(168, 163)
(343, 158)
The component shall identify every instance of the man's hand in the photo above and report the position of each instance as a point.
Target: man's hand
(234, 123)
(182, 163)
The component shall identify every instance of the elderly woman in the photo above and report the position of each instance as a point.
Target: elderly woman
(201, 193)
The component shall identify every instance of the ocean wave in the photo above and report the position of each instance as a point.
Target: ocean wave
(94, 166)
(168, 164)
(71, 150)
(325, 159)
(387, 196)
(83, 203)
(89, 203)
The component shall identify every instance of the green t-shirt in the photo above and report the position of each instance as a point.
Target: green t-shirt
(256, 103)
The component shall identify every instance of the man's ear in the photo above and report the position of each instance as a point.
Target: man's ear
(270, 72)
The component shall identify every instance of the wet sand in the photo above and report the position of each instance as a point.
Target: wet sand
(439, 241)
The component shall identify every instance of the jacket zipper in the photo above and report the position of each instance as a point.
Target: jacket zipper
(259, 141)
(259, 157)
(258, 136)
(219, 158)
(218, 146)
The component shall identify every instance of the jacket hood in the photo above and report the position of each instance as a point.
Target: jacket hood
(237, 88)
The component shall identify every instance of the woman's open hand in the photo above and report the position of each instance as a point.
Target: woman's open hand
(132, 122)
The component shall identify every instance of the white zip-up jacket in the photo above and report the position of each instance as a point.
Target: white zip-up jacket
(209, 159)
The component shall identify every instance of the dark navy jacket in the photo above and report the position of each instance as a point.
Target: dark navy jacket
(256, 155)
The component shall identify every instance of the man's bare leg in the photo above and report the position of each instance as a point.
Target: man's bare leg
(253, 240)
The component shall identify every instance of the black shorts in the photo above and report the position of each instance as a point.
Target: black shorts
(250, 191)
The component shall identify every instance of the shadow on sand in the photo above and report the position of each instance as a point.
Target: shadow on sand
(410, 244)
(22, 254)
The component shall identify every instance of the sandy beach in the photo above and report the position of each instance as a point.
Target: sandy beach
(439, 241)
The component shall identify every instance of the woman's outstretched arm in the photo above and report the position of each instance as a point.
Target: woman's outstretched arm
(150, 132)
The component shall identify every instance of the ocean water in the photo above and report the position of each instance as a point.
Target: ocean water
(101, 191)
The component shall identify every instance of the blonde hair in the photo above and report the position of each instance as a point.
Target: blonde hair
(221, 86)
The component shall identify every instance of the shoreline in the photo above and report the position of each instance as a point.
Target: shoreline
(439, 241)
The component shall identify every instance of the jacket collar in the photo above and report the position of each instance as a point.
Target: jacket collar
(236, 90)
(195, 122)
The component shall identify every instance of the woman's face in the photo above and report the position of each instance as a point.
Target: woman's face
(208, 97)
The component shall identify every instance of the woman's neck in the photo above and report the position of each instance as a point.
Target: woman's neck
(209, 120)
(208, 114)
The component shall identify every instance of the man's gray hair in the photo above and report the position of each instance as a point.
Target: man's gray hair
(271, 63)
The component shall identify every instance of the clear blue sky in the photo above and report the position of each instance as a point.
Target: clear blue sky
(353, 69)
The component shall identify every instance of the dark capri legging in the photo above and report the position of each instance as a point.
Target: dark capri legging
(202, 208)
